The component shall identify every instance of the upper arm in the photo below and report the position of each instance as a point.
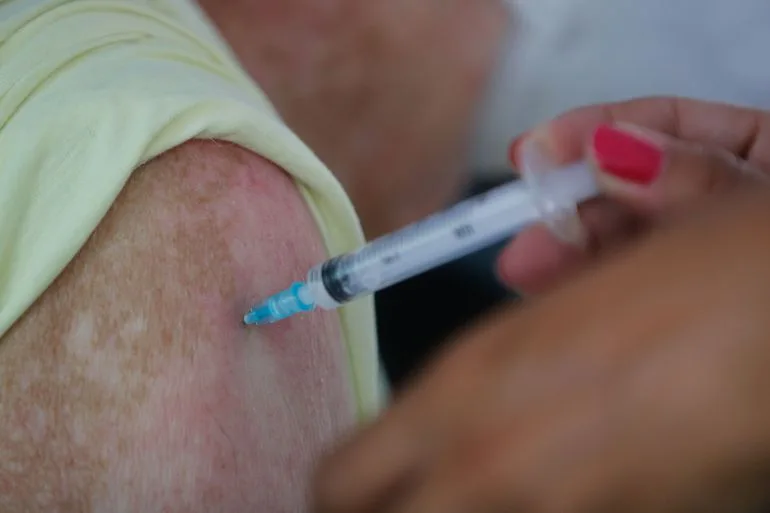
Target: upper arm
(132, 385)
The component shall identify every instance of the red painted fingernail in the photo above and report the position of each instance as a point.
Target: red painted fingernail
(626, 155)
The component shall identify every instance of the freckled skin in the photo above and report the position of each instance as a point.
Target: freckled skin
(131, 384)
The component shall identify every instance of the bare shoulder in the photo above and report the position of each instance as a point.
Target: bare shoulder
(131, 384)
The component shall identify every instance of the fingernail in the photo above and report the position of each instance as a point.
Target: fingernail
(513, 150)
(627, 155)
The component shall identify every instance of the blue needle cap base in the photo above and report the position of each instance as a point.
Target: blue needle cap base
(285, 304)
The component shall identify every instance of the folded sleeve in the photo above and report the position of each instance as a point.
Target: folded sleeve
(91, 90)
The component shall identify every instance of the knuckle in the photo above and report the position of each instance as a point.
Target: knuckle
(722, 173)
(703, 172)
(728, 171)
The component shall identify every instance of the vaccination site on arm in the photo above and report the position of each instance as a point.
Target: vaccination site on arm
(91, 91)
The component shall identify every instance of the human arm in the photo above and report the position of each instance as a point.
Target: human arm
(131, 385)
(154, 197)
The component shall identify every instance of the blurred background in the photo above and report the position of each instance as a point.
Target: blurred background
(416, 317)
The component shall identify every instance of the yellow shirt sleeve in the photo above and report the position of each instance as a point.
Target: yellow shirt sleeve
(92, 89)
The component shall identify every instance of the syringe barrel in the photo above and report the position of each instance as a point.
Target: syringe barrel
(550, 195)
(318, 289)
(471, 225)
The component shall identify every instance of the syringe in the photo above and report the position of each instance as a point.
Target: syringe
(546, 194)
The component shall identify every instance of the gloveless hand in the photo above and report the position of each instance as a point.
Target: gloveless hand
(638, 384)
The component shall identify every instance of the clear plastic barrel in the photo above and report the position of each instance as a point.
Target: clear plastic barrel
(547, 193)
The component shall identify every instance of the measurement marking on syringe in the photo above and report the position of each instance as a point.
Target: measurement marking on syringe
(387, 260)
(462, 232)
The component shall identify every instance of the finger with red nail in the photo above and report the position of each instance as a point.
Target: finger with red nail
(649, 170)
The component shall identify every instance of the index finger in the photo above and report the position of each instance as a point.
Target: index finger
(535, 259)
(732, 128)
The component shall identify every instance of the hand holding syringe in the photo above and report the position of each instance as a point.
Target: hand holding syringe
(544, 195)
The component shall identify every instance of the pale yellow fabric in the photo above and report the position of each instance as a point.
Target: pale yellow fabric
(89, 90)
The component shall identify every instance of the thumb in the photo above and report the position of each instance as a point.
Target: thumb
(655, 173)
